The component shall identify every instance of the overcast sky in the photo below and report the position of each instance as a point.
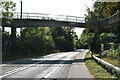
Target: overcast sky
(58, 7)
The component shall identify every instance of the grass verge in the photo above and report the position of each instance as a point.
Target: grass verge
(95, 69)
(115, 62)
(112, 61)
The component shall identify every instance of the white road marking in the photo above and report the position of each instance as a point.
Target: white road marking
(15, 70)
(52, 70)
(18, 69)
(56, 67)
(25, 67)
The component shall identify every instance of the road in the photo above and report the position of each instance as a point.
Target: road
(50, 66)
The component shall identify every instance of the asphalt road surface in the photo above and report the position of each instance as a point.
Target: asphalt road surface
(49, 66)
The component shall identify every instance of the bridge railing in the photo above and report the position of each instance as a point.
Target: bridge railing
(42, 16)
(112, 19)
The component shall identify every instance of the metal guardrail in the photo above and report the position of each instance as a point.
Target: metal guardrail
(42, 16)
(107, 65)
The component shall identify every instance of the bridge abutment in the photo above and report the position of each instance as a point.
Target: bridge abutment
(3, 29)
(13, 39)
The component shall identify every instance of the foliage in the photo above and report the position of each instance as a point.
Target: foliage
(100, 36)
(86, 39)
(114, 62)
(35, 40)
(39, 41)
(64, 38)
(110, 8)
(106, 38)
(112, 53)
(7, 7)
(5, 42)
(97, 70)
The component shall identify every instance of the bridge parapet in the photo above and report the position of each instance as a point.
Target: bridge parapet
(42, 16)
(40, 19)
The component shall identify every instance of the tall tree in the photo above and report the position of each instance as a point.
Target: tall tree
(35, 40)
(64, 38)
(111, 8)
(100, 11)
(7, 8)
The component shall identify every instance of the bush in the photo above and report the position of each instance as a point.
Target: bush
(113, 54)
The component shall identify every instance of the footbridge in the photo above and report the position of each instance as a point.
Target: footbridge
(48, 20)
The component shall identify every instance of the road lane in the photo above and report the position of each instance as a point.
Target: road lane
(53, 66)
(21, 63)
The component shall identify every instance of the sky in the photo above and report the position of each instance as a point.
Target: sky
(58, 7)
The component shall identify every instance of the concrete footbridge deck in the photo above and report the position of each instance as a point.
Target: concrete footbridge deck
(50, 20)
(47, 20)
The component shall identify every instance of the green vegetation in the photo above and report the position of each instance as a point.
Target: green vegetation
(112, 61)
(113, 57)
(39, 41)
(102, 40)
(95, 69)
(45, 40)
(64, 38)
(113, 54)
(7, 7)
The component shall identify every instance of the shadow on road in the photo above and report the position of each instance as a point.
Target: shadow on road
(49, 61)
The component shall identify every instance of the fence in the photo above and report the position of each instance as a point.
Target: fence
(42, 16)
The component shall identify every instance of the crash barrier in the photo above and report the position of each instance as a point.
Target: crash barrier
(111, 68)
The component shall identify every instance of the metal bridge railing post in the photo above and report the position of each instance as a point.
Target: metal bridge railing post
(76, 19)
(17, 15)
(37, 16)
(67, 18)
(57, 18)
(27, 15)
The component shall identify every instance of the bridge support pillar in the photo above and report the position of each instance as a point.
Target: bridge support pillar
(3, 29)
(13, 40)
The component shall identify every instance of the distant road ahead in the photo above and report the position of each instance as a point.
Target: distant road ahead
(50, 66)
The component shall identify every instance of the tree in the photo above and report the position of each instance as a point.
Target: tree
(64, 38)
(100, 11)
(111, 8)
(106, 38)
(86, 39)
(35, 40)
(5, 42)
(7, 8)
